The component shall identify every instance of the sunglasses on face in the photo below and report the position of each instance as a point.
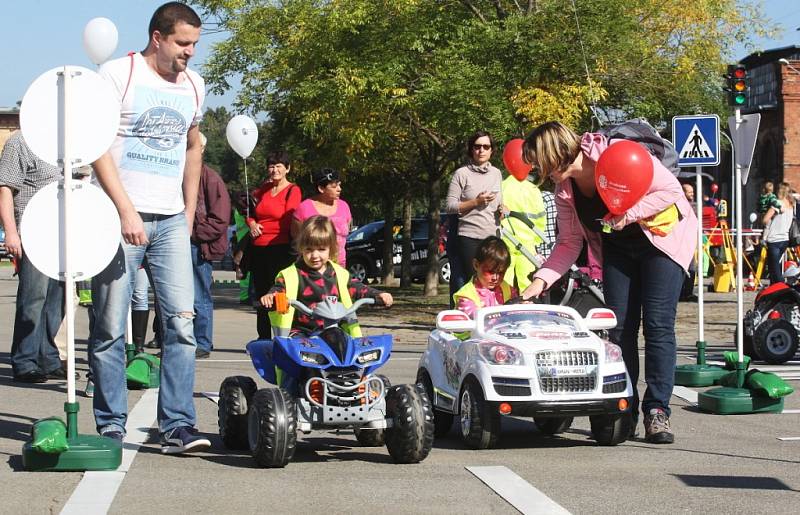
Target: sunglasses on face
(477, 146)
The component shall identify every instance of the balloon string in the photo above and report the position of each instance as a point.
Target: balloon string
(246, 189)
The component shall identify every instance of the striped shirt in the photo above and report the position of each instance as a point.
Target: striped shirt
(550, 227)
(23, 172)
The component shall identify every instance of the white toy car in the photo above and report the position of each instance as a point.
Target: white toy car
(532, 360)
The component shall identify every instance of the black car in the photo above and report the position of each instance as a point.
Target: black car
(365, 248)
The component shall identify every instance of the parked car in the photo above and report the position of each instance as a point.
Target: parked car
(3, 250)
(365, 249)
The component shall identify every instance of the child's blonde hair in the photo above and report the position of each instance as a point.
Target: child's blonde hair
(318, 232)
(549, 147)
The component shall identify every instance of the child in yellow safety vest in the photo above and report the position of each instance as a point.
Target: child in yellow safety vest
(487, 287)
(315, 277)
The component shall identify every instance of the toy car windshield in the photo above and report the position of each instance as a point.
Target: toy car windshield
(533, 323)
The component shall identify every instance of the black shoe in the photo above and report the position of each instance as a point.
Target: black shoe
(60, 374)
(34, 376)
(153, 344)
(182, 440)
(115, 435)
(201, 354)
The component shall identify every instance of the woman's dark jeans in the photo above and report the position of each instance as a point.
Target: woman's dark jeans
(645, 287)
(775, 252)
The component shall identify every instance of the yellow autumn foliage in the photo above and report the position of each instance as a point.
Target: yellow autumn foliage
(567, 103)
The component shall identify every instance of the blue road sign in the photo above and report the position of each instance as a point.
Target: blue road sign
(696, 139)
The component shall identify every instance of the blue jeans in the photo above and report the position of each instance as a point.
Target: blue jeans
(203, 303)
(645, 287)
(169, 259)
(141, 285)
(775, 252)
(40, 310)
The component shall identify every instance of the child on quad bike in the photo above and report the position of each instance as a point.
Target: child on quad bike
(315, 277)
(487, 287)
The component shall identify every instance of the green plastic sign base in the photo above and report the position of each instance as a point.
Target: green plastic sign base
(86, 452)
(698, 375)
(734, 401)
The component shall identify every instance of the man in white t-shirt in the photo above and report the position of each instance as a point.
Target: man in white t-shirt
(151, 172)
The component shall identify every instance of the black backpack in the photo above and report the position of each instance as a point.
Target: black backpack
(640, 131)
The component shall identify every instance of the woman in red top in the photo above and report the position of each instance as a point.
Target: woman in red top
(276, 201)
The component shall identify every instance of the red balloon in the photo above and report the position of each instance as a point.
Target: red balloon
(623, 174)
(714, 187)
(512, 158)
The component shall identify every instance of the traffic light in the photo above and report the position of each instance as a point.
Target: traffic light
(737, 85)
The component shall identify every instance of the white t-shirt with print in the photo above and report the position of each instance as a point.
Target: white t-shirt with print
(155, 116)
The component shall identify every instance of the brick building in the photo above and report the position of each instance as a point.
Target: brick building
(9, 122)
(775, 94)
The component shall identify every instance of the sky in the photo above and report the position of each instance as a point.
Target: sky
(32, 46)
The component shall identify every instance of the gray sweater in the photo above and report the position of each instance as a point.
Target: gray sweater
(468, 181)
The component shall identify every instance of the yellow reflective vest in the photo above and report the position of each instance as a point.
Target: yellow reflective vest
(469, 292)
(282, 322)
(524, 197)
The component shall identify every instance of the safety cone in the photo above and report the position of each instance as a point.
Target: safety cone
(750, 285)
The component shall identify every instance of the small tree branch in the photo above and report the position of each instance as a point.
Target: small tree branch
(474, 10)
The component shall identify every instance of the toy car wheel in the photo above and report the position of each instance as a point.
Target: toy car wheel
(775, 341)
(480, 425)
(373, 437)
(235, 396)
(552, 425)
(444, 270)
(442, 422)
(611, 429)
(410, 438)
(272, 427)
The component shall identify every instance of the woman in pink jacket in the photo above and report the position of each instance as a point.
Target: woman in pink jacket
(642, 272)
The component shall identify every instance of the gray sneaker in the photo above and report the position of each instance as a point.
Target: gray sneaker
(656, 427)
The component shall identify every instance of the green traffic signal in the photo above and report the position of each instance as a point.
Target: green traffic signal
(737, 85)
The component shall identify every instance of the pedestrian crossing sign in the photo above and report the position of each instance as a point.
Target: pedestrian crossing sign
(696, 139)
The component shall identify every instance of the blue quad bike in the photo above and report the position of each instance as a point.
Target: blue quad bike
(323, 381)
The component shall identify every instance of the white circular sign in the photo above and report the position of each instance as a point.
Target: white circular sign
(93, 116)
(94, 230)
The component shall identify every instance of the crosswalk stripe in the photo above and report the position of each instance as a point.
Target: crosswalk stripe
(516, 491)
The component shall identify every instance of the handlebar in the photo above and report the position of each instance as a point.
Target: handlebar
(356, 305)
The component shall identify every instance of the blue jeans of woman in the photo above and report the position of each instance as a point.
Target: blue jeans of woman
(644, 288)
(203, 302)
(169, 259)
(775, 252)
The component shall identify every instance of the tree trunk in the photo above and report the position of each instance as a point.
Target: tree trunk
(387, 270)
(434, 201)
(405, 262)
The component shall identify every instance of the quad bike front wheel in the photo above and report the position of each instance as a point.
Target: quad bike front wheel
(609, 430)
(272, 427)
(480, 425)
(775, 341)
(410, 438)
(235, 396)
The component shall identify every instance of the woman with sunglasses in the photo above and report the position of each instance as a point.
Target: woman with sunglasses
(474, 196)
(643, 269)
(270, 224)
(327, 203)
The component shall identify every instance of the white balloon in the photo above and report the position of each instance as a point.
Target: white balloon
(100, 39)
(753, 218)
(242, 135)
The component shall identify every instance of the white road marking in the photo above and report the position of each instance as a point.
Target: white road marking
(96, 491)
(789, 438)
(790, 411)
(686, 394)
(212, 396)
(201, 361)
(516, 491)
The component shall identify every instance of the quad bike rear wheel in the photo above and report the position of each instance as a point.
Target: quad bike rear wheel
(235, 395)
(775, 341)
(272, 427)
(410, 438)
(373, 437)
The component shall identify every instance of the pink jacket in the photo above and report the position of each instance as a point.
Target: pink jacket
(665, 190)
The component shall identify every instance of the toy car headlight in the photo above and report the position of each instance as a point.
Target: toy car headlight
(369, 357)
(499, 354)
(313, 357)
(613, 353)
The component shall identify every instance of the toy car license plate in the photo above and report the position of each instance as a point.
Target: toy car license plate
(567, 371)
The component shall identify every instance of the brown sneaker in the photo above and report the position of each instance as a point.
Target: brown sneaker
(656, 427)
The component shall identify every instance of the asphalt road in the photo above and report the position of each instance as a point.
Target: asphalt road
(731, 464)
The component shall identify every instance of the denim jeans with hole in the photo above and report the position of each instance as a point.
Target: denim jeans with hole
(169, 259)
(40, 310)
(203, 302)
(644, 287)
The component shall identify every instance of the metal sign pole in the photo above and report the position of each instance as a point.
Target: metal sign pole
(698, 197)
(739, 292)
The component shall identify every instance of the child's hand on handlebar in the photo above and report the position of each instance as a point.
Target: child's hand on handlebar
(386, 299)
(268, 300)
